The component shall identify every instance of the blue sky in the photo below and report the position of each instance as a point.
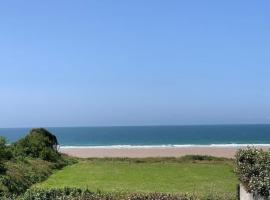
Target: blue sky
(95, 63)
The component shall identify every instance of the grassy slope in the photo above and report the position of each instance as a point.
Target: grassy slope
(170, 176)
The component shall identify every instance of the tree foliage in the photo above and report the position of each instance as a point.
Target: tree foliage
(5, 154)
(39, 143)
(28, 161)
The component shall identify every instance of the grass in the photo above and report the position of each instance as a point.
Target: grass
(148, 175)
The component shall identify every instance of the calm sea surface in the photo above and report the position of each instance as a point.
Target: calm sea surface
(153, 135)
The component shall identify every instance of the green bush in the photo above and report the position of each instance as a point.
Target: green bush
(5, 154)
(63, 194)
(79, 194)
(160, 196)
(39, 143)
(20, 175)
(28, 161)
(253, 168)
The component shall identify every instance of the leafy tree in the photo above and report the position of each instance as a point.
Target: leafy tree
(39, 143)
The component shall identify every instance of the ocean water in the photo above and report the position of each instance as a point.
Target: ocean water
(153, 136)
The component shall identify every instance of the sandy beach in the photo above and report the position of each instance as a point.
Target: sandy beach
(227, 152)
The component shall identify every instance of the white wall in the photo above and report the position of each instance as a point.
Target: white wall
(244, 195)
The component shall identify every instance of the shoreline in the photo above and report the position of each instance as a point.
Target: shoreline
(233, 145)
(101, 152)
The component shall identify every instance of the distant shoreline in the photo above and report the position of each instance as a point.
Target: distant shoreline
(160, 146)
(88, 152)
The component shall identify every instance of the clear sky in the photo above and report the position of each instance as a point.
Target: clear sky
(137, 62)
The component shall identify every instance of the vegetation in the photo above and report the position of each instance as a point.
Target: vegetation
(194, 174)
(5, 154)
(28, 161)
(39, 143)
(79, 194)
(253, 168)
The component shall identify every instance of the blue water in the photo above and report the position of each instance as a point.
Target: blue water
(153, 135)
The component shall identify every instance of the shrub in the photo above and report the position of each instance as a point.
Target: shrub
(79, 194)
(20, 175)
(160, 196)
(34, 159)
(39, 143)
(5, 154)
(163, 196)
(253, 168)
(63, 194)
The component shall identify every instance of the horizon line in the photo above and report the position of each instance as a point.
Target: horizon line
(147, 125)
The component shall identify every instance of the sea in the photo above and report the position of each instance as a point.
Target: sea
(152, 136)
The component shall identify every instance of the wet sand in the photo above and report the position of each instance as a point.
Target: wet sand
(227, 152)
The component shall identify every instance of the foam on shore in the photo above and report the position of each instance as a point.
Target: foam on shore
(163, 146)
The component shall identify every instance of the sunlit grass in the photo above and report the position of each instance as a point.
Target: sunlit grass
(125, 176)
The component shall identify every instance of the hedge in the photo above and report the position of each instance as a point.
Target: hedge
(253, 168)
(79, 194)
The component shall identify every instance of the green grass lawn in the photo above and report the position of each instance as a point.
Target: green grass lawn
(162, 176)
